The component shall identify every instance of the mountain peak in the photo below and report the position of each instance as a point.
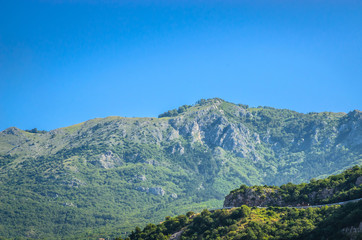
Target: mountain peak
(193, 157)
(355, 113)
(12, 131)
(202, 102)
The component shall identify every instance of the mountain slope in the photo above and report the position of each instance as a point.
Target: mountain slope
(273, 222)
(103, 172)
(336, 188)
(245, 223)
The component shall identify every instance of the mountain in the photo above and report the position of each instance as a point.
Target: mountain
(243, 222)
(108, 175)
(336, 188)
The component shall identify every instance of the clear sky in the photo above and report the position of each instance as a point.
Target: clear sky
(65, 62)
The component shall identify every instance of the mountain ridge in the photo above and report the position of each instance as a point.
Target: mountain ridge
(198, 102)
(192, 159)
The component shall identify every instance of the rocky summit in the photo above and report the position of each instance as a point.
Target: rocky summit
(111, 174)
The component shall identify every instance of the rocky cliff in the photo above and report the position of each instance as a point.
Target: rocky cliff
(140, 168)
(341, 187)
(255, 197)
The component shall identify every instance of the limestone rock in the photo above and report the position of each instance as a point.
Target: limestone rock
(359, 181)
(142, 177)
(142, 189)
(157, 191)
(252, 197)
(152, 190)
(12, 131)
(109, 160)
(178, 148)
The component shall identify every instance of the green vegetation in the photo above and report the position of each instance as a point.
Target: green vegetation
(272, 222)
(35, 130)
(336, 188)
(105, 176)
(246, 223)
(80, 199)
(175, 112)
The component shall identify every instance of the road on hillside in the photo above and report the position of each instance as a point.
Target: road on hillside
(178, 234)
(313, 206)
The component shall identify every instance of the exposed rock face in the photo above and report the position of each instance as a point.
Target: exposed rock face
(176, 235)
(152, 162)
(110, 160)
(353, 232)
(270, 197)
(212, 127)
(74, 183)
(173, 135)
(68, 204)
(13, 131)
(157, 191)
(213, 123)
(142, 177)
(202, 152)
(322, 194)
(152, 190)
(178, 148)
(351, 130)
(142, 189)
(359, 181)
(263, 140)
(250, 197)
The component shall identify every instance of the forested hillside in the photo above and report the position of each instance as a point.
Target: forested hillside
(105, 176)
(253, 223)
(245, 223)
(337, 188)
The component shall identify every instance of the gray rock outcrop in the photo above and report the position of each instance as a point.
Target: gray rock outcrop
(252, 197)
(109, 160)
(152, 190)
(157, 191)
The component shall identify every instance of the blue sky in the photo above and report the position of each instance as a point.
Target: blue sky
(65, 62)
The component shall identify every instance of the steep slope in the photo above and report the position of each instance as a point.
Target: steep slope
(245, 223)
(273, 222)
(87, 178)
(337, 188)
